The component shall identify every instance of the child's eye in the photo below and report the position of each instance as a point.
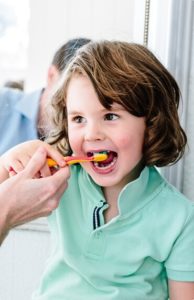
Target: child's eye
(78, 119)
(111, 117)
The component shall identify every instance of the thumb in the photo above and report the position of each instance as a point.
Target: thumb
(36, 162)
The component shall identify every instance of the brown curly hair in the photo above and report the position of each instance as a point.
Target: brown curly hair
(130, 75)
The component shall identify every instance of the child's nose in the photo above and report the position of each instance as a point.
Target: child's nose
(93, 132)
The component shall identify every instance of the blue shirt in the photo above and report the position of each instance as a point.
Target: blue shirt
(129, 258)
(18, 117)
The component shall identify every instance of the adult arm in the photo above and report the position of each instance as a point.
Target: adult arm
(181, 290)
(24, 198)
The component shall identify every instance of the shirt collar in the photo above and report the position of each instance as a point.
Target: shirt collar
(29, 104)
(135, 194)
(139, 192)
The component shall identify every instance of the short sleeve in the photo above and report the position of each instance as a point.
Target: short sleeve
(180, 263)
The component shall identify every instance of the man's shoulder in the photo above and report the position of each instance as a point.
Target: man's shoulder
(10, 96)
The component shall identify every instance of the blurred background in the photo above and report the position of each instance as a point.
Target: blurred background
(31, 31)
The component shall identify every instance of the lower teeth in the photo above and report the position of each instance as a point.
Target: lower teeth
(104, 166)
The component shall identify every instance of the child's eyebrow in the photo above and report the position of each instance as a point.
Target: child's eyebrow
(73, 112)
(116, 107)
(77, 112)
(103, 110)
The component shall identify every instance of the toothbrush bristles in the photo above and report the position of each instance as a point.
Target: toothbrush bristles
(100, 156)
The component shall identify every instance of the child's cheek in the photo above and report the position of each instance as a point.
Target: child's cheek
(131, 144)
(74, 143)
(124, 142)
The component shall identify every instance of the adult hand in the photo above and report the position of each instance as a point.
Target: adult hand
(24, 198)
(18, 157)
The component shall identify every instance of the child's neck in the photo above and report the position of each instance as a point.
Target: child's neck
(111, 193)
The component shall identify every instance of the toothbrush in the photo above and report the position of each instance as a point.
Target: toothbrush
(70, 160)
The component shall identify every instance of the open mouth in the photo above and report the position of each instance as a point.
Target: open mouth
(105, 164)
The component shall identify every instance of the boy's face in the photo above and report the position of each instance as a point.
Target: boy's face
(92, 128)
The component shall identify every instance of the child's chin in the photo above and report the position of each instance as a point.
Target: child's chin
(103, 182)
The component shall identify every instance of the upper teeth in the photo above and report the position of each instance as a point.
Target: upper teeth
(102, 152)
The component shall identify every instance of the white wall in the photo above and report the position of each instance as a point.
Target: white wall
(22, 260)
(55, 21)
(160, 28)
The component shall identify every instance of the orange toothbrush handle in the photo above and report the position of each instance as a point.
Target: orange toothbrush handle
(52, 163)
(70, 160)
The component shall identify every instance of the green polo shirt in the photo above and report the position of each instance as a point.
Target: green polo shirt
(132, 256)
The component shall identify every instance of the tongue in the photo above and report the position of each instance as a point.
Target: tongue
(109, 158)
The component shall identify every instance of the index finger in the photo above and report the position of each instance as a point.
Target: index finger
(55, 155)
(36, 163)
